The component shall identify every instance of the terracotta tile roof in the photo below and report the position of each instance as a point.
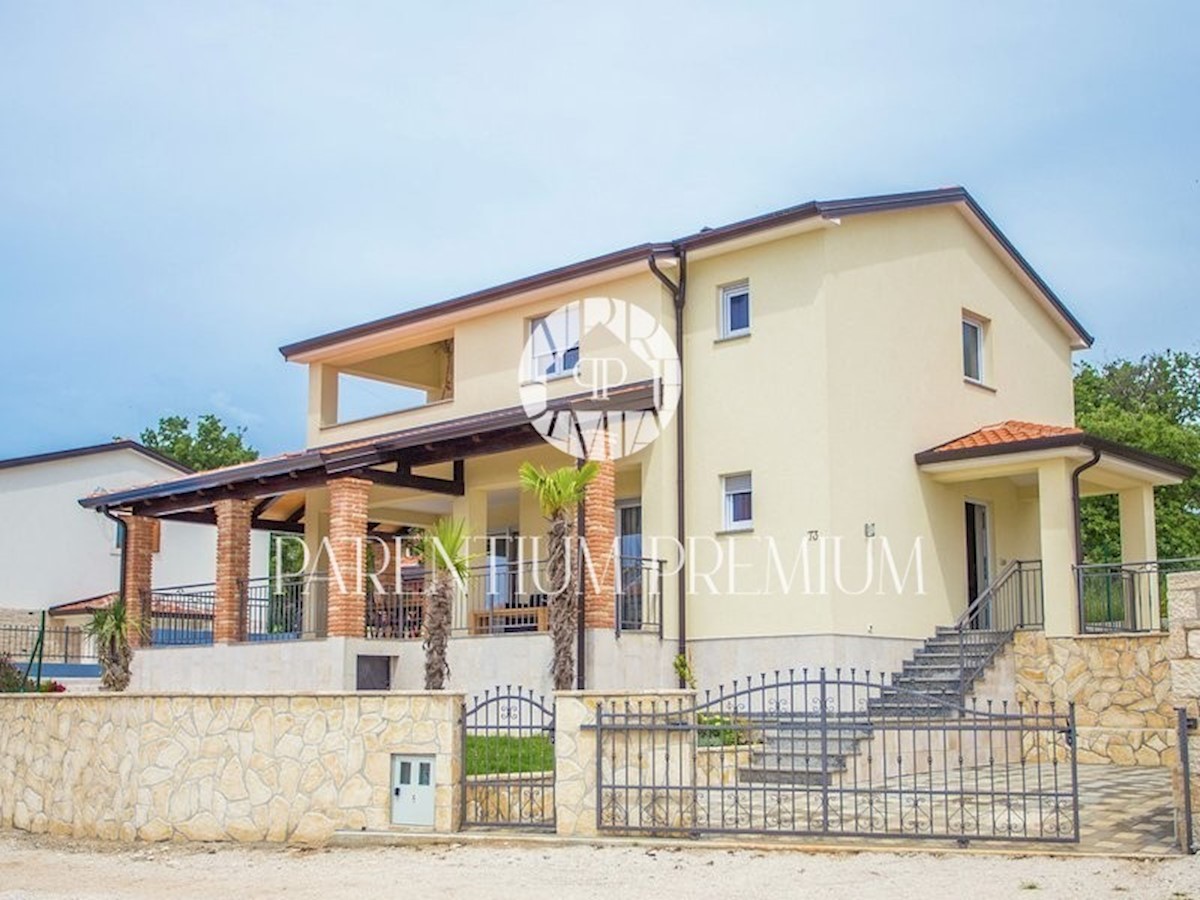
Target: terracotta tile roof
(1011, 431)
(86, 605)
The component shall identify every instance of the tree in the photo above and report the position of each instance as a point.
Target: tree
(1152, 404)
(111, 626)
(443, 551)
(558, 494)
(210, 446)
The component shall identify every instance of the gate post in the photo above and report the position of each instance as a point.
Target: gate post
(824, 752)
(1184, 830)
(1073, 736)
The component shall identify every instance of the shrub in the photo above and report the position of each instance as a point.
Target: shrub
(12, 679)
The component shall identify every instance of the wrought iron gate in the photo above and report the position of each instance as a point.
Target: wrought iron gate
(508, 760)
(843, 754)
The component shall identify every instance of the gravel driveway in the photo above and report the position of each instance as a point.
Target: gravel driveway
(43, 867)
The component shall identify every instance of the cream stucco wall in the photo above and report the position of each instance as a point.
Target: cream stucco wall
(853, 364)
(54, 551)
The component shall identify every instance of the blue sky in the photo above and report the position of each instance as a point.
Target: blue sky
(186, 187)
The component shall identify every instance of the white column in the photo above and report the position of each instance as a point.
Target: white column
(1056, 518)
(1139, 543)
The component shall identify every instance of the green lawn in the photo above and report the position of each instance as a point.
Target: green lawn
(498, 754)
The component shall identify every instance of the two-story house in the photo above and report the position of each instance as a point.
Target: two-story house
(858, 428)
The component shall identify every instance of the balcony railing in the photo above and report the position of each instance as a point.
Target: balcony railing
(182, 616)
(1127, 596)
(501, 597)
(639, 603)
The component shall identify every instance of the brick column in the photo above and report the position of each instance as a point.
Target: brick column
(347, 548)
(141, 538)
(233, 569)
(599, 532)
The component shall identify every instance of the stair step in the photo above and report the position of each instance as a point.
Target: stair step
(809, 747)
(931, 675)
(756, 775)
(807, 763)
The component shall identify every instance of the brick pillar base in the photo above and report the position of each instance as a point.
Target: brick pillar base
(233, 569)
(599, 532)
(141, 540)
(347, 548)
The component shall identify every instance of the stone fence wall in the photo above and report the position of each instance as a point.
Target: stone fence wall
(1120, 685)
(243, 768)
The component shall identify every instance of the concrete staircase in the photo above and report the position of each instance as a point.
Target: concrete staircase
(939, 675)
(793, 748)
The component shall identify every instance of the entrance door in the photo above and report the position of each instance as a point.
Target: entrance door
(979, 557)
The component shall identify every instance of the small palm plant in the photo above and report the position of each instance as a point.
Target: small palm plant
(111, 627)
(559, 493)
(444, 552)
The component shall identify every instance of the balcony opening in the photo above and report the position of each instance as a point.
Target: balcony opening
(396, 382)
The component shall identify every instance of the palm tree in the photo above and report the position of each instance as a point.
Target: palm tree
(443, 551)
(111, 627)
(559, 493)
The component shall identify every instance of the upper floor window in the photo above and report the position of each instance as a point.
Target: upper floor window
(973, 347)
(554, 343)
(735, 309)
(739, 506)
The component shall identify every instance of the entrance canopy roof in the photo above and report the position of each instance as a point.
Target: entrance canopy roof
(1014, 449)
(389, 459)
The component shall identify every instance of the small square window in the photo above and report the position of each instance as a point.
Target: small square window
(735, 309)
(972, 342)
(739, 506)
(553, 346)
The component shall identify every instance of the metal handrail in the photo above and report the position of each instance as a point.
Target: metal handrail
(983, 608)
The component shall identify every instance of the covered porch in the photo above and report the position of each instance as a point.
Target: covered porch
(1017, 488)
(353, 512)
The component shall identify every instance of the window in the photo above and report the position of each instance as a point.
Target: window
(554, 344)
(972, 337)
(739, 512)
(735, 309)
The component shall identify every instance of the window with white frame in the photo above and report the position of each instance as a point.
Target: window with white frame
(739, 507)
(735, 309)
(554, 343)
(972, 342)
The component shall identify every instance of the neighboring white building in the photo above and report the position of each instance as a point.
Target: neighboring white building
(53, 551)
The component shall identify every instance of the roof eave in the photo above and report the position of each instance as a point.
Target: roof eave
(828, 209)
(1059, 441)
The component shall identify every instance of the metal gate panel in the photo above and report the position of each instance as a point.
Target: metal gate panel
(508, 760)
(837, 754)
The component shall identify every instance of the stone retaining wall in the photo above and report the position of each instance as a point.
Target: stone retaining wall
(1183, 650)
(1120, 685)
(237, 768)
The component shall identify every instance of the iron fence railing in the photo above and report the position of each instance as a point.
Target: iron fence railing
(837, 753)
(65, 644)
(1127, 596)
(507, 760)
